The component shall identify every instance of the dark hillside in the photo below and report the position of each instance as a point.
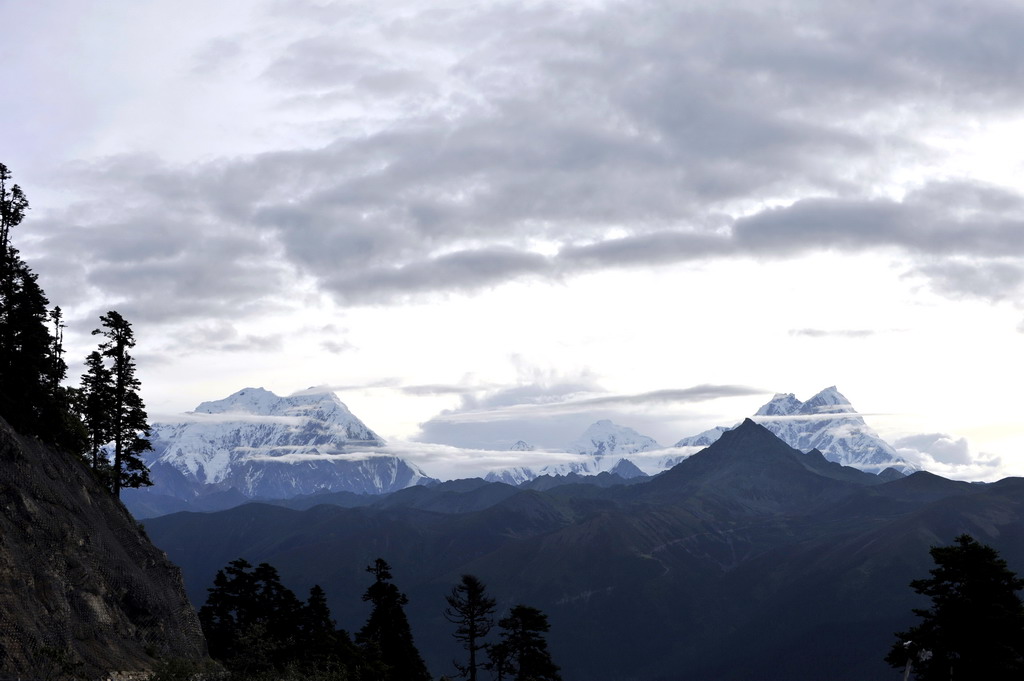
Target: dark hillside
(79, 580)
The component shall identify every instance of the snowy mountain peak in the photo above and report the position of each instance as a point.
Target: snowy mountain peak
(604, 438)
(828, 401)
(521, 446)
(247, 400)
(783, 404)
(265, 445)
(318, 416)
(827, 422)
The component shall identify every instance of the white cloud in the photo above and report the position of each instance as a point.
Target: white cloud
(949, 457)
(227, 417)
(657, 193)
(448, 462)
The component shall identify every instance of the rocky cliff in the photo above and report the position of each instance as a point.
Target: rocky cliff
(81, 586)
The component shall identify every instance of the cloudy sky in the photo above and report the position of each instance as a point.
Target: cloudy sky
(488, 221)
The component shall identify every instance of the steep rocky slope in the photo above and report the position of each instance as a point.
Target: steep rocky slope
(80, 583)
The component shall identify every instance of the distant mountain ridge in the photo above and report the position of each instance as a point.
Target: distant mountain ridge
(604, 447)
(260, 445)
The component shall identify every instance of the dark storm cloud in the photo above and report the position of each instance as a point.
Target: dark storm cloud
(614, 135)
(941, 219)
(967, 238)
(465, 270)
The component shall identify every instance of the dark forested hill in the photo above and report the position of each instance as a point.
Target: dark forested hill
(750, 560)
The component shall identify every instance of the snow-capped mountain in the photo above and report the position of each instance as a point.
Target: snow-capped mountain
(603, 447)
(703, 439)
(521, 446)
(605, 438)
(826, 422)
(274, 447)
(511, 476)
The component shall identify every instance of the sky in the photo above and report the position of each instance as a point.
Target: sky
(480, 222)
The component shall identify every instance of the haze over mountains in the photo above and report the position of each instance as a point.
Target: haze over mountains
(826, 422)
(256, 445)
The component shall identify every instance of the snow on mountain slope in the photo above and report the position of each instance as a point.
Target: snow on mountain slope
(703, 439)
(605, 438)
(603, 447)
(269, 446)
(511, 476)
(826, 422)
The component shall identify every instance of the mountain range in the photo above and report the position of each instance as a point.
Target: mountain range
(826, 422)
(254, 444)
(748, 560)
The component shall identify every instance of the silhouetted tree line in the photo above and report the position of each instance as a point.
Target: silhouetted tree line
(258, 629)
(104, 420)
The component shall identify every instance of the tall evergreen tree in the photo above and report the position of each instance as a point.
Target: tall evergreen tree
(95, 405)
(251, 620)
(58, 367)
(386, 634)
(13, 205)
(256, 627)
(472, 611)
(127, 424)
(974, 628)
(522, 654)
(324, 648)
(31, 362)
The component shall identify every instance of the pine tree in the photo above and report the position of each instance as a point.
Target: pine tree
(974, 628)
(127, 424)
(255, 626)
(31, 362)
(324, 648)
(94, 402)
(473, 613)
(386, 635)
(522, 654)
(250, 619)
(228, 608)
(13, 205)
